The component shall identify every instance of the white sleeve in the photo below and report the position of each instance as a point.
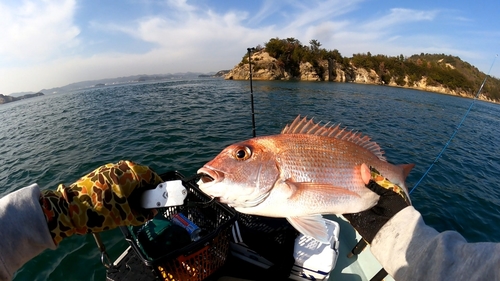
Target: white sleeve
(23, 230)
(408, 249)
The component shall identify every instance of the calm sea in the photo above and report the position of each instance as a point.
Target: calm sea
(180, 125)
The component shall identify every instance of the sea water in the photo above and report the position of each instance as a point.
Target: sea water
(182, 124)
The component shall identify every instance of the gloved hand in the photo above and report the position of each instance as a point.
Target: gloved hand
(101, 200)
(392, 200)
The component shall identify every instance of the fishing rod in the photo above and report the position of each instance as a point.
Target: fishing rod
(250, 50)
(456, 129)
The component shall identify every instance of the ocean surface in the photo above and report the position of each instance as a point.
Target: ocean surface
(180, 125)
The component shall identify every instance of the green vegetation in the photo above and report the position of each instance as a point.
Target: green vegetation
(290, 53)
(438, 69)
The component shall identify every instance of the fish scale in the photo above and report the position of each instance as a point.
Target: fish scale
(322, 164)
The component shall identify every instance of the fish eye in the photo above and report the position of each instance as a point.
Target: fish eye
(242, 153)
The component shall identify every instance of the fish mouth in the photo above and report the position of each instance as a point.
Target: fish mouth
(209, 176)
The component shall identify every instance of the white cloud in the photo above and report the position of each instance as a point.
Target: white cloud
(181, 5)
(382, 35)
(183, 37)
(319, 11)
(268, 8)
(197, 38)
(35, 30)
(202, 29)
(399, 16)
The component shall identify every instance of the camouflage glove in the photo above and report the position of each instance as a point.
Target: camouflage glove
(101, 200)
(392, 200)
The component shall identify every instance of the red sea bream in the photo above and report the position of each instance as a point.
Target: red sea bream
(306, 171)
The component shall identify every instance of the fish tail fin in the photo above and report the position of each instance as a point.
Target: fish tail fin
(406, 169)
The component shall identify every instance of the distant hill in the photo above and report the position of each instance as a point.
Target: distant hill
(120, 80)
(457, 73)
(20, 94)
(289, 59)
(437, 70)
(117, 81)
(221, 73)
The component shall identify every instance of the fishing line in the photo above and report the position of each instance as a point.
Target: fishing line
(456, 129)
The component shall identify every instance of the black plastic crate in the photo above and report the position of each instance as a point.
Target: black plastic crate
(271, 238)
(199, 259)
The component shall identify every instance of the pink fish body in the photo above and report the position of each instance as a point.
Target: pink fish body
(307, 170)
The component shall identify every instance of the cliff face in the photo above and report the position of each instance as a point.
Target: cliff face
(265, 67)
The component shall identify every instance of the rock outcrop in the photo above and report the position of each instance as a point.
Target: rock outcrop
(264, 67)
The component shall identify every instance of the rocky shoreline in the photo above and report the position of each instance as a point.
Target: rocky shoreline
(265, 67)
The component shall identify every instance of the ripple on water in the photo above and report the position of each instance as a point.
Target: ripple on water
(180, 125)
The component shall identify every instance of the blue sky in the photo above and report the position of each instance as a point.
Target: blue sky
(46, 43)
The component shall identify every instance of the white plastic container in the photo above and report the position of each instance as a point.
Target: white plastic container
(314, 260)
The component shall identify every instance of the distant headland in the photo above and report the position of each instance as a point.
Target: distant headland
(94, 84)
(6, 99)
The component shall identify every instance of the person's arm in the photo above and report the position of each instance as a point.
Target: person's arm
(408, 249)
(23, 230)
(32, 220)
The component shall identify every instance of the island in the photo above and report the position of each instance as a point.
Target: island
(289, 59)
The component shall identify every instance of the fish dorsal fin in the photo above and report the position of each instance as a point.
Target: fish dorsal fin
(305, 126)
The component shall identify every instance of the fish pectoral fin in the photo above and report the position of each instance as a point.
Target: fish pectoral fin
(328, 189)
(313, 226)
